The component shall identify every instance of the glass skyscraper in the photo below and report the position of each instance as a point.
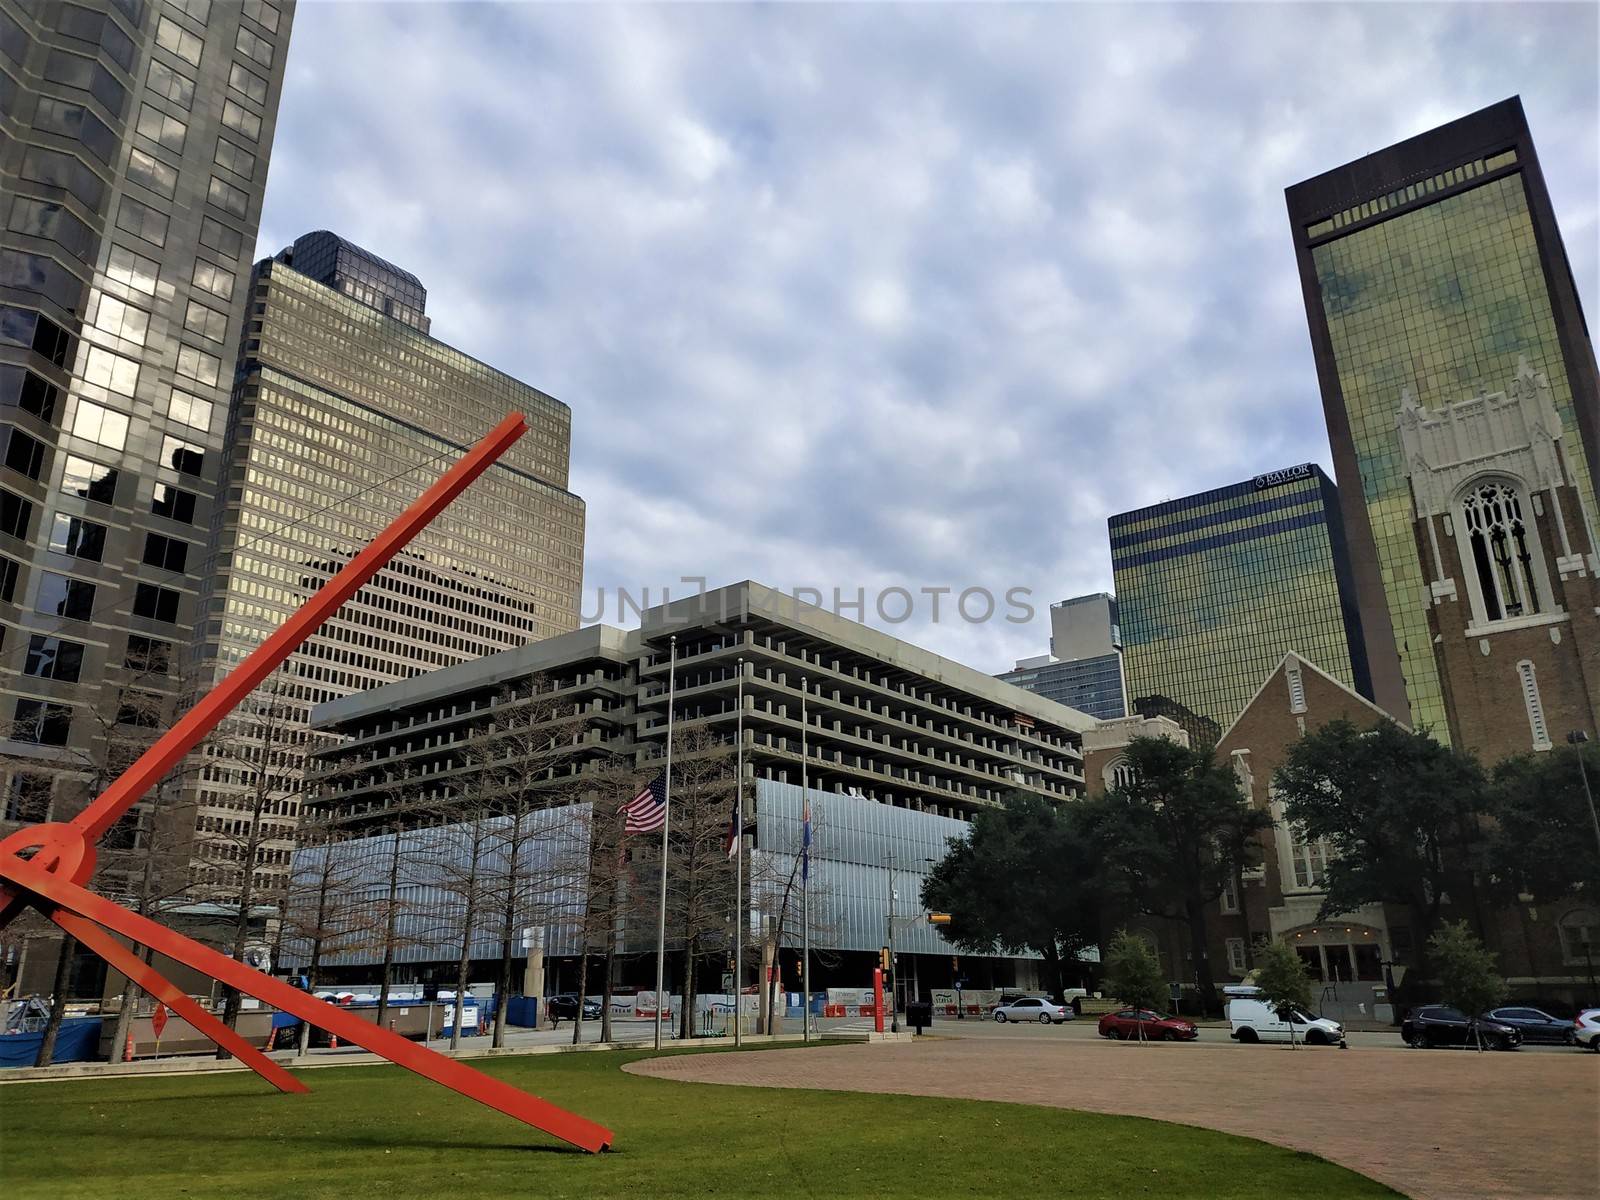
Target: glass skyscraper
(1430, 267)
(1214, 589)
(134, 139)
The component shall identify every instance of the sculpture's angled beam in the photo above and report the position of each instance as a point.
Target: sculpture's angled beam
(453, 1074)
(151, 980)
(147, 770)
(200, 720)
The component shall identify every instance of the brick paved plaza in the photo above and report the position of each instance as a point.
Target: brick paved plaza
(1435, 1124)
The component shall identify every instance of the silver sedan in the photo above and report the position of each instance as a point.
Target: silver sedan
(1031, 1008)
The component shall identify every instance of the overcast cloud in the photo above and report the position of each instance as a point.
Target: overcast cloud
(865, 296)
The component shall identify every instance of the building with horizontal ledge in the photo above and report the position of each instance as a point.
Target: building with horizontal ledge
(897, 747)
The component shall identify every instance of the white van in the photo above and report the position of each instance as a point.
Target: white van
(1250, 1019)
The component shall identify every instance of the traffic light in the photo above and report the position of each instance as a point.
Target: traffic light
(938, 918)
(883, 959)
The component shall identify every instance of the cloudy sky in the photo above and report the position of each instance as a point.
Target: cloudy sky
(906, 295)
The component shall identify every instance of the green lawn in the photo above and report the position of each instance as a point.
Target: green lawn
(377, 1133)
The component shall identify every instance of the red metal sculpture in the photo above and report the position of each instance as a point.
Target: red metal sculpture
(45, 866)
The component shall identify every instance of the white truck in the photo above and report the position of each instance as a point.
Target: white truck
(1251, 1019)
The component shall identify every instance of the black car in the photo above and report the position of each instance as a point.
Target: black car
(1534, 1024)
(1439, 1025)
(565, 1008)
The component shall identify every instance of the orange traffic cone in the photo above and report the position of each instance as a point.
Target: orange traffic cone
(272, 1037)
(333, 1041)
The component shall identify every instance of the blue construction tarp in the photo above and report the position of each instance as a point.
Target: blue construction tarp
(78, 1041)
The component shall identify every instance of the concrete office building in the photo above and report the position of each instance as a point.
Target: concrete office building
(1213, 589)
(1084, 667)
(134, 143)
(899, 746)
(344, 410)
(1431, 270)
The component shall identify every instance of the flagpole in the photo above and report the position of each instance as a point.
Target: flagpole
(666, 825)
(805, 882)
(738, 871)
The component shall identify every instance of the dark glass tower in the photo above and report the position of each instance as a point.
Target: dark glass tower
(1430, 267)
(134, 139)
(1214, 589)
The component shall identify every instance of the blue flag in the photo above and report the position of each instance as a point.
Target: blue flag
(805, 840)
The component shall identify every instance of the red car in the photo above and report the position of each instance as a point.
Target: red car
(1158, 1027)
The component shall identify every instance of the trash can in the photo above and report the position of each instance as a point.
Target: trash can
(919, 1015)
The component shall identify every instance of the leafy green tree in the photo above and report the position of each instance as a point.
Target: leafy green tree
(1542, 841)
(1170, 841)
(1133, 974)
(1469, 978)
(1284, 983)
(1402, 816)
(1023, 879)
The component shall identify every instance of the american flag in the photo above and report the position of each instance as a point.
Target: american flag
(647, 812)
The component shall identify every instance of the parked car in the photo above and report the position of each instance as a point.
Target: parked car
(1158, 1027)
(1534, 1024)
(1031, 1008)
(1252, 1019)
(1586, 1028)
(1440, 1025)
(565, 1007)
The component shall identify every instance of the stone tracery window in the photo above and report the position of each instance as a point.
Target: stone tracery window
(1501, 545)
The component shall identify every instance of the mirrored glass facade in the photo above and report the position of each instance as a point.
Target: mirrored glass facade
(1431, 267)
(134, 143)
(1090, 685)
(1214, 589)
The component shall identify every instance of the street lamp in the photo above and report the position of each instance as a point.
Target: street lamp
(1576, 739)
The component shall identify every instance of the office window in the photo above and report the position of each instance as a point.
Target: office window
(254, 47)
(24, 455)
(41, 218)
(135, 707)
(133, 270)
(228, 198)
(32, 394)
(10, 570)
(175, 39)
(28, 798)
(142, 221)
(152, 173)
(87, 75)
(170, 85)
(41, 723)
(184, 457)
(242, 79)
(263, 14)
(100, 424)
(120, 319)
(53, 658)
(169, 554)
(89, 480)
(156, 603)
(198, 365)
(213, 279)
(216, 236)
(160, 127)
(15, 513)
(112, 371)
(78, 537)
(173, 503)
(61, 596)
(241, 120)
(207, 322)
(147, 655)
(51, 341)
(235, 158)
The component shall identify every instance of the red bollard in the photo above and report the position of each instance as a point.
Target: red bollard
(877, 999)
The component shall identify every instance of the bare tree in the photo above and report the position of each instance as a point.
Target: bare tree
(324, 912)
(137, 863)
(699, 872)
